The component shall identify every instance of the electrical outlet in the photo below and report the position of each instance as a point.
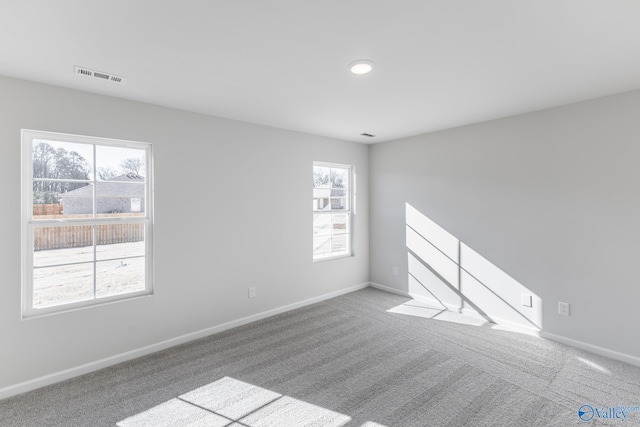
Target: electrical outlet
(395, 271)
(563, 308)
(252, 292)
(527, 300)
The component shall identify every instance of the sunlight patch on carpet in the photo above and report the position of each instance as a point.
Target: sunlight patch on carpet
(227, 401)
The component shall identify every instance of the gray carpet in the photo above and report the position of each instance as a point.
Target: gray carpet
(346, 361)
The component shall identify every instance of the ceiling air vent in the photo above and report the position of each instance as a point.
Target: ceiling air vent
(100, 75)
(368, 135)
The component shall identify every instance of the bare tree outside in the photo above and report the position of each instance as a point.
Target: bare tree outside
(51, 163)
(134, 165)
(107, 173)
(323, 176)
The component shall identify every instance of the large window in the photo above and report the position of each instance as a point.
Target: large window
(332, 204)
(87, 221)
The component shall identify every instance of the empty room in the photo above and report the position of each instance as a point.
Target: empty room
(470, 257)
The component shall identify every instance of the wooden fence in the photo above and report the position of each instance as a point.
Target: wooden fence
(75, 236)
(39, 210)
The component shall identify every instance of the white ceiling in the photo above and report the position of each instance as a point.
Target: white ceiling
(283, 63)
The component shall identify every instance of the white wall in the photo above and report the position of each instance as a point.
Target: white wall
(551, 199)
(233, 210)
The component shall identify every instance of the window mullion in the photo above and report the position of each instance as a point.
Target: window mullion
(95, 184)
(95, 263)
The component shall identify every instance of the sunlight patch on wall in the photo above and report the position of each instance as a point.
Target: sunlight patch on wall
(448, 273)
(424, 282)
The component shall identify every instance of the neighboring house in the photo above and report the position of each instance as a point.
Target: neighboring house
(326, 198)
(122, 194)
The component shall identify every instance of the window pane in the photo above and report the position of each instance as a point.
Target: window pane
(321, 224)
(339, 178)
(62, 285)
(62, 245)
(338, 203)
(321, 246)
(339, 244)
(118, 196)
(340, 223)
(321, 176)
(62, 160)
(119, 162)
(119, 277)
(51, 199)
(321, 204)
(120, 241)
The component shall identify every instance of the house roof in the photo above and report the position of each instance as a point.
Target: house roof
(128, 177)
(126, 185)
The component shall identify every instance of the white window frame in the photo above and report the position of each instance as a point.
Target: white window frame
(29, 223)
(350, 209)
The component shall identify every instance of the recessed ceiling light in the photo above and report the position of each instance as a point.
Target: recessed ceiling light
(361, 66)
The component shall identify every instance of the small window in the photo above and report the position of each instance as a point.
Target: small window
(332, 201)
(87, 221)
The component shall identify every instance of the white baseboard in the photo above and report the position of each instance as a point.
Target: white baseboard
(508, 324)
(388, 289)
(56, 377)
(143, 351)
(611, 354)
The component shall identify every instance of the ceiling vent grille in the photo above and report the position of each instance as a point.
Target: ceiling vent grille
(100, 75)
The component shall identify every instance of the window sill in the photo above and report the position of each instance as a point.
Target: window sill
(331, 258)
(82, 305)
